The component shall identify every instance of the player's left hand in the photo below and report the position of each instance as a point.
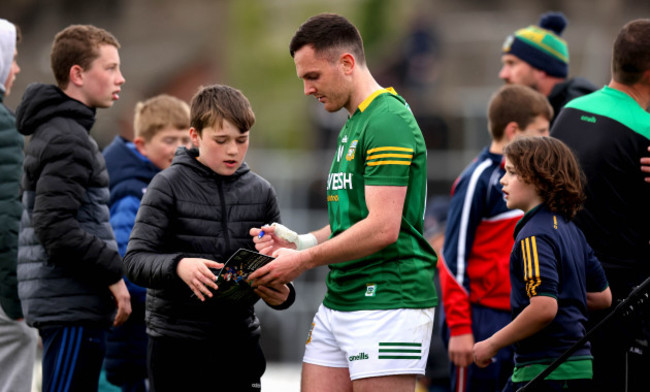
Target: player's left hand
(287, 266)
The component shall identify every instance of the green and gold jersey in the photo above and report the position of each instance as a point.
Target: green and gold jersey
(381, 145)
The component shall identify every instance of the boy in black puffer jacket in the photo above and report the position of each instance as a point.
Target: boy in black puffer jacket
(69, 271)
(194, 215)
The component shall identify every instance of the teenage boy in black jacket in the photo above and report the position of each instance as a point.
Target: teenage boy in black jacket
(194, 215)
(69, 270)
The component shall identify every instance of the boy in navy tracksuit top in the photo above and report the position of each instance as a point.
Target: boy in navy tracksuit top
(554, 273)
(478, 239)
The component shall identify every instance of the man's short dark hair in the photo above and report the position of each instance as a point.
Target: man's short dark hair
(631, 55)
(328, 32)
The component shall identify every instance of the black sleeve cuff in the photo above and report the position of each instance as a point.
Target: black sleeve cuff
(290, 299)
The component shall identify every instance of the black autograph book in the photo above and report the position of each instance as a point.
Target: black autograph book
(231, 280)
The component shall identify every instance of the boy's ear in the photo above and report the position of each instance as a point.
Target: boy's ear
(140, 145)
(194, 136)
(76, 75)
(511, 131)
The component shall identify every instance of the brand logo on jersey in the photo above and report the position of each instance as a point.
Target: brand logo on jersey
(589, 119)
(339, 153)
(345, 139)
(359, 357)
(351, 150)
(338, 181)
(371, 289)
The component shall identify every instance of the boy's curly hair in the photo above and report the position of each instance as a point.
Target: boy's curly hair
(551, 167)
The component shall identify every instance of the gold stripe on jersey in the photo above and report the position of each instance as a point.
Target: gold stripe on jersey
(404, 149)
(407, 163)
(531, 265)
(392, 152)
(538, 280)
(380, 156)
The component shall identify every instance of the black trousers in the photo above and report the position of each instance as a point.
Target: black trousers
(223, 364)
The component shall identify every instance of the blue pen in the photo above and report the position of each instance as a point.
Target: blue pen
(261, 234)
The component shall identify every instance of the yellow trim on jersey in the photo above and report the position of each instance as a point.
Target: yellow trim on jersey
(408, 163)
(378, 156)
(531, 265)
(374, 150)
(366, 102)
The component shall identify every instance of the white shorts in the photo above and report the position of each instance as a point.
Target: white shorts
(371, 343)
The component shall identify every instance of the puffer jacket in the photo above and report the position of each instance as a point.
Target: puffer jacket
(191, 211)
(11, 168)
(67, 254)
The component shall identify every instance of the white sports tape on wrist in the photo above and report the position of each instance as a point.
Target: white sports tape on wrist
(302, 241)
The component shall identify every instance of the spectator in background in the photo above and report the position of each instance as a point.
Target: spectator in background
(536, 56)
(554, 274)
(69, 270)
(609, 131)
(17, 340)
(478, 242)
(161, 125)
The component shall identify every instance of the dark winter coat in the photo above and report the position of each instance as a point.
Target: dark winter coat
(67, 255)
(191, 211)
(11, 168)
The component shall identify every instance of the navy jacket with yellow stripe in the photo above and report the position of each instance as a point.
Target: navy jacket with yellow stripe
(552, 258)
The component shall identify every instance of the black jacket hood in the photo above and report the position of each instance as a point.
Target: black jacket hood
(41, 102)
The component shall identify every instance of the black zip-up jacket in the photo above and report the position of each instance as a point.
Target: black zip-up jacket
(191, 211)
(67, 256)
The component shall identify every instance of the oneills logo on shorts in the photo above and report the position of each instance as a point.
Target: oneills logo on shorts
(359, 357)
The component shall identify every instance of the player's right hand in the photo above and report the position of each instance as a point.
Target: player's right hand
(273, 239)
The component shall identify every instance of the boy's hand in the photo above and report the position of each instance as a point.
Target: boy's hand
(483, 353)
(196, 274)
(460, 349)
(269, 242)
(273, 295)
(122, 300)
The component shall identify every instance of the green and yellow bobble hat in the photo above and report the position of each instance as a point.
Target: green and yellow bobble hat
(541, 46)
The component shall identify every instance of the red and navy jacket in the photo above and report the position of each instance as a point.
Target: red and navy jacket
(478, 242)
(552, 258)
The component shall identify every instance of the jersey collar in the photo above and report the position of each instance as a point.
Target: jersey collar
(366, 102)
